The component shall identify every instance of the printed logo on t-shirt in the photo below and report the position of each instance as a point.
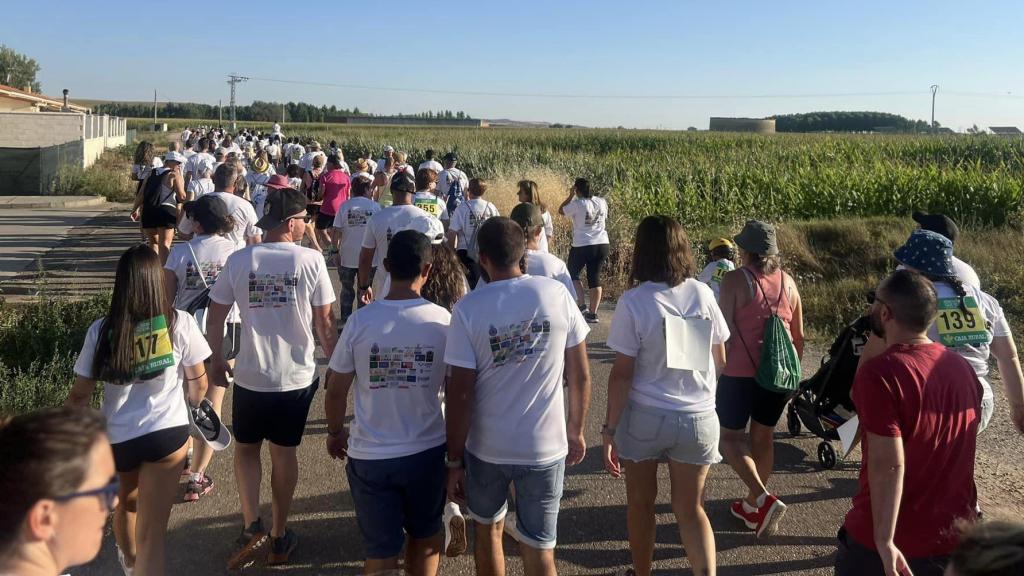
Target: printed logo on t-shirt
(389, 234)
(431, 206)
(593, 218)
(400, 366)
(357, 218)
(519, 341)
(272, 290)
(210, 271)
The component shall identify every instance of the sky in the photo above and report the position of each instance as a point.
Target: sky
(642, 64)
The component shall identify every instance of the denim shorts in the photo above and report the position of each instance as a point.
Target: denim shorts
(646, 433)
(538, 492)
(398, 496)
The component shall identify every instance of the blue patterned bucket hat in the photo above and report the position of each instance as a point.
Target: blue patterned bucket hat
(927, 252)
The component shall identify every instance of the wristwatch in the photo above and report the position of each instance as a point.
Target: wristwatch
(453, 464)
(337, 434)
(607, 430)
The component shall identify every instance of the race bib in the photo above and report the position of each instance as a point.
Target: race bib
(429, 205)
(151, 349)
(719, 274)
(958, 327)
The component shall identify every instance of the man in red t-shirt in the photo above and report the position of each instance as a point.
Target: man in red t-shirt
(919, 406)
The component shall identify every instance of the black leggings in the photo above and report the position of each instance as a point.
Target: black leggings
(592, 257)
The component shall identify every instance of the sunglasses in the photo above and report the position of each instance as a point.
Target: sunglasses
(873, 297)
(305, 218)
(108, 494)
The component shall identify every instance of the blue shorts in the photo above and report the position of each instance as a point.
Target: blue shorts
(646, 433)
(538, 493)
(398, 496)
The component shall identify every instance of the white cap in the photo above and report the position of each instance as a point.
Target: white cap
(429, 226)
(174, 156)
(388, 149)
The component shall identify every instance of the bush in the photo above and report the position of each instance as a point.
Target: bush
(109, 176)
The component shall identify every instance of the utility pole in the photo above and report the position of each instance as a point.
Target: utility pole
(233, 80)
(154, 109)
(935, 90)
(220, 113)
(282, 113)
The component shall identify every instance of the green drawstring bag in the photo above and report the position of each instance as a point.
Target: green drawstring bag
(779, 370)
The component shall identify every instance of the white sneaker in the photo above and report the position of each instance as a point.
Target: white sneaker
(454, 530)
(120, 558)
(511, 528)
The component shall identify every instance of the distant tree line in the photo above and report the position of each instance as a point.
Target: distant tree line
(258, 111)
(841, 121)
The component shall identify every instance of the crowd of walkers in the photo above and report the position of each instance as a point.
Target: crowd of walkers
(462, 346)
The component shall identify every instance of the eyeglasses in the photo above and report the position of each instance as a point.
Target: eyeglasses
(873, 297)
(305, 218)
(108, 494)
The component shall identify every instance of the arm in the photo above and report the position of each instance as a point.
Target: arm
(250, 240)
(178, 183)
(718, 355)
(323, 323)
(1005, 351)
(452, 238)
(577, 372)
(215, 318)
(459, 394)
(561, 207)
(81, 392)
(195, 378)
(363, 277)
(796, 326)
(885, 480)
(170, 286)
(137, 205)
(336, 388)
(619, 383)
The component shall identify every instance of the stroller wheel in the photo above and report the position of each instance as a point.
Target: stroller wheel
(826, 455)
(793, 421)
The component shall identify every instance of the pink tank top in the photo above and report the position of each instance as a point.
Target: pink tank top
(749, 321)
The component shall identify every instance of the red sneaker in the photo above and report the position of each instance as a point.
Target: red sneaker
(749, 518)
(768, 516)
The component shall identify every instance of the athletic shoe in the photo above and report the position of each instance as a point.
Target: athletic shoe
(187, 469)
(583, 307)
(198, 488)
(749, 518)
(454, 531)
(591, 317)
(120, 559)
(248, 543)
(281, 549)
(768, 516)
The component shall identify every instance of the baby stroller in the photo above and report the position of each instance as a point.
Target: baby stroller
(822, 403)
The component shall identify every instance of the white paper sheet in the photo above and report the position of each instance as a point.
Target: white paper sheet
(849, 435)
(688, 343)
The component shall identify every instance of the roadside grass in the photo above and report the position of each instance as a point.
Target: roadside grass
(109, 176)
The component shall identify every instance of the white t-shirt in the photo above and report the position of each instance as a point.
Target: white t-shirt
(385, 224)
(433, 205)
(141, 407)
(432, 164)
(352, 219)
(197, 162)
(638, 331)
(212, 252)
(993, 324)
(514, 333)
(241, 212)
(549, 230)
(276, 285)
(713, 273)
(258, 189)
(445, 179)
(140, 172)
(396, 349)
(546, 265)
(306, 162)
(468, 217)
(588, 217)
(296, 153)
(197, 187)
(371, 165)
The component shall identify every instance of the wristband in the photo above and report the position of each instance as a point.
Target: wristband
(337, 434)
(453, 464)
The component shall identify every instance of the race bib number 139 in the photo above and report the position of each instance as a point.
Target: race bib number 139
(960, 326)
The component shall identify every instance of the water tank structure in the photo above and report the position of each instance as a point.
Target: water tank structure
(754, 125)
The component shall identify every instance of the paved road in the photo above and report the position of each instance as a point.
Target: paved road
(592, 529)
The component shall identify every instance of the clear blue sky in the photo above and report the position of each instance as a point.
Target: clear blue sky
(806, 56)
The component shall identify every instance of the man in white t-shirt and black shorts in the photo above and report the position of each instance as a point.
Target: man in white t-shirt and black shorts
(284, 293)
(504, 403)
(392, 351)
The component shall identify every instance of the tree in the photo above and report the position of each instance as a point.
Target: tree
(17, 70)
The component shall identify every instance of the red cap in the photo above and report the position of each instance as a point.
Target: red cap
(278, 182)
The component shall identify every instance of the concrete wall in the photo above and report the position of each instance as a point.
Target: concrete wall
(756, 125)
(35, 129)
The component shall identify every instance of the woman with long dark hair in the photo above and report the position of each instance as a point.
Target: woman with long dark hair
(529, 193)
(157, 201)
(657, 412)
(143, 351)
(588, 214)
(59, 487)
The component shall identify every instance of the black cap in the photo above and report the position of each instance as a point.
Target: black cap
(451, 157)
(207, 210)
(282, 205)
(403, 182)
(938, 223)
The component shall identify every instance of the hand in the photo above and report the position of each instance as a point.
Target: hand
(366, 296)
(893, 561)
(135, 215)
(1017, 416)
(577, 448)
(337, 446)
(219, 369)
(457, 485)
(611, 457)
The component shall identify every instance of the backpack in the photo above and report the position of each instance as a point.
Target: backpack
(779, 368)
(455, 194)
(151, 193)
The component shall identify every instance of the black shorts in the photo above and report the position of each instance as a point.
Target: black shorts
(852, 559)
(592, 257)
(278, 417)
(232, 340)
(162, 217)
(153, 447)
(312, 210)
(741, 399)
(324, 221)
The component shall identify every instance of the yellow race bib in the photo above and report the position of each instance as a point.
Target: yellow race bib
(961, 327)
(151, 348)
